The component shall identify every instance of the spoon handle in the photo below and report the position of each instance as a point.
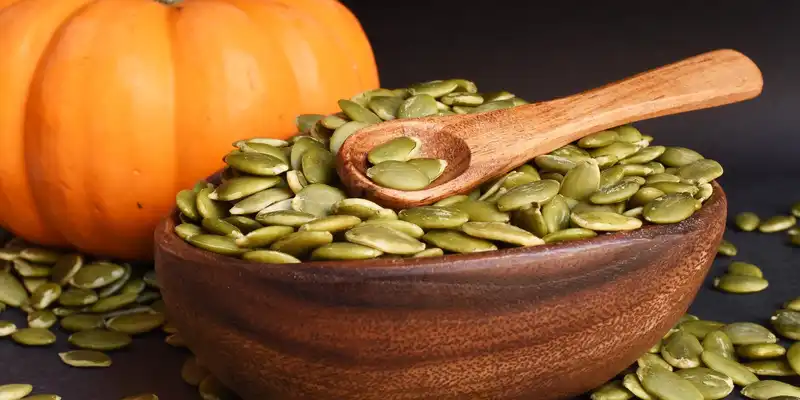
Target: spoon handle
(520, 133)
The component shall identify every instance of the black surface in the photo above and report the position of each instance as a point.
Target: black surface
(540, 52)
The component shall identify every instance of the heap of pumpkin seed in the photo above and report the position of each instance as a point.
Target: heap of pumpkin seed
(282, 202)
(705, 359)
(100, 303)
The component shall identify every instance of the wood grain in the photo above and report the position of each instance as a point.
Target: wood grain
(479, 147)
(538, 323)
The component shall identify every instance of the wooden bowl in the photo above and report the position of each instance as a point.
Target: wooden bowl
(543, 322)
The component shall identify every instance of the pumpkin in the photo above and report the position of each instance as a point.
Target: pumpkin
(109, 107)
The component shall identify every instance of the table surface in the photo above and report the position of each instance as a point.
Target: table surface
(150, 365)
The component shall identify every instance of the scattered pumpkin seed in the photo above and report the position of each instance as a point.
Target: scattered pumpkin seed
(777, 223)
(711, 384)
(85, 359)
(81, 322)
(787, 323)
(667, 385)
(761, 351)
(727, 248)
(34, 337)
(7, 328)
(744, 333)
(738, 372)
(15, 391)
(773, 367)
(136, 323)
(766, 389)
(740, 283)
(100, 339)
(747, 221)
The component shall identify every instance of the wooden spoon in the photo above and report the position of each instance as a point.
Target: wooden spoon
(479, 147)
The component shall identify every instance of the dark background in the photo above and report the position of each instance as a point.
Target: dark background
(542, 50)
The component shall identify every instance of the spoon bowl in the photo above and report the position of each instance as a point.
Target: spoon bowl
(479, 147)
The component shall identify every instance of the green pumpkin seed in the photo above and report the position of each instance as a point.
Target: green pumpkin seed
(100, 339)
(270, 257)
(97, 274)
(615, 193)
(711, 384)
(63, 311)
(288, 218)
(9, 254)
(598, 139)
(792, 357)
(332, 223)
(746, 269)
(81, 322)
(556, 213)
(775, 367)
(631, 382)
(207, 208)
(418, 106)
(398, 175)
(777, 223)
(11, 290)
(342, 133)
(727, 248)
(244, 224)
(667, 385)
(553, 163)
(462, 99)
(787, 323)
(627, 133)
(611, 391)
(538, 192)
(211, 388)
(220, 227)
(457, 242)
(361, 208)
(217, 244)
(644, 196)
(136, 323)
(299, 148)
(432, 217)
(661, 177)
(262, 148)
(462, 109)
(316, 199)
(682, 350)
(679, 157)
(718, 342)
(480, 211)
(33, 337)
(364, 97)
(670, 208)
(433, 168)
(30, 270)
(260, 200)
(7, 328)
(385, 107)
(620, 150)
(793, 304)
(296, 181)
(644, 155)
(344, 251)
(384, 239)
(502, 232)
(583, 180)
(569, 234)
(318, 165)
(31, 284)
(243, 186)
(74, 297)
(15, 391)
(700, 328)
(185, 231)
(739, 373)
(304, 122)
(39, 255)
(429, 252)
(403, 226)
(605, 221)
(112, 303)
(299, 244)
(767, 389)
(740, 283)
(192, 372)
(700, 171)
(402, 148)
(257, 163)
(65, 268)
(117, 285)
(494, 105)
(41, 319)
(747, 221)
(85, 359)
(357, 112)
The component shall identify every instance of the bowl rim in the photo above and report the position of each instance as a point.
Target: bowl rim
(166, 240)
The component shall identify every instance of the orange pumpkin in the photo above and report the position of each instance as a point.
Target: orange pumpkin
(109, 107)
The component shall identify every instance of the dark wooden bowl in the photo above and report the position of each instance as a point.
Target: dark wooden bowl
(541, 323)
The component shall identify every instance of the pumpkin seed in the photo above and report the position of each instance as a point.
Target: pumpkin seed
(216, 243)
(738, 372)
(316, 199)
(675, 187)
(259, 201)
(479, 211)
(777, 223)
(402, 148)
(432, 217)
(97, 274)
(384, 106)
(502, 232)
(298, 244)
(357, 112)
(385, 239)
(661, 177)
(743, 333)
(433, 168)
(41, 319)
(740, 283)
(185, 231)
(332, 223)
(112, 303)
(33, 337)
(136, 323)
(192, 372)
(341, 134)
(787, 323)
(764, 390)
(711, 384)
(117, 285)
(30, 270)
(7, 328)
(344, 251)
(615, 193)
(85, 359)
(620, 150)
(583, 180)
(403, 226)
(793, 304)
(631, 382)
(644, 155)
(679, 157)
(262, 148)
(290, 218)
(598, 139)
(211, 388)
(429, 252)
(457, 242)
(747, 221)
(361, 208)
(727, 248)
(700, 328)
(569, 234)
(775, 367)
(11, 290)
(63, 311)
(418, 106)
(398, 175)
(243, 186)
(667, 385)
(682, 350)
(256, 164)
(605, 221)
(644, 196)
(538, 192)
(611, 391)
(670, 208)
(15, 391)
(792, 357)
(100, 339)
(270, 257)
(718, 342)
(65, 268)
(745, 269)
(74, 297)
(81, 322)
(318, 165)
